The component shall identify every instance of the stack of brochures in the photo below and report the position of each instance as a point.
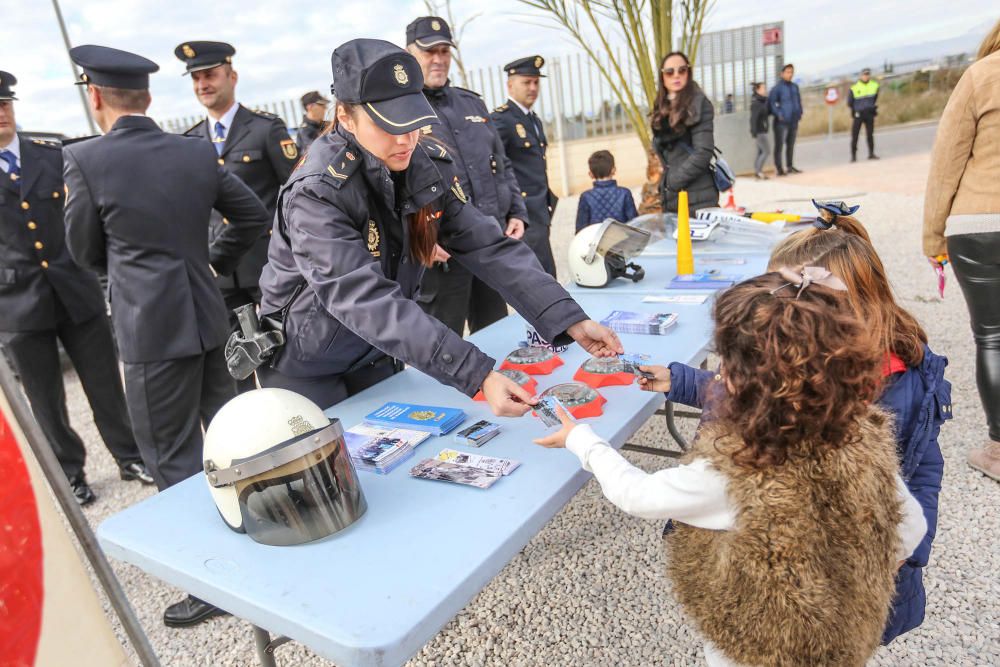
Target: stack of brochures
(380, 450)
(706, 280)
(430, 418)
(627, 322)
(463, 468)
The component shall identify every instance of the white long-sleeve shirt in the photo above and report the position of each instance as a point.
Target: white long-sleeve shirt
(695, 494)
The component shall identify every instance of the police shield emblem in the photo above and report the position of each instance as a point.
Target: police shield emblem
(401, 77)
(521, 132)
(373, 239)
(538, 62)
(289, 149)
(435, 25)
(188, 51)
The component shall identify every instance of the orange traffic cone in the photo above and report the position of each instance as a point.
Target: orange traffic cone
(731, 202)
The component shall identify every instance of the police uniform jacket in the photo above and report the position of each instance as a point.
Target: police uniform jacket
(36, 270)
(137, 206)
(260, 152)
(339, 262)
(525, 146)
(308, 131)
(484, 170)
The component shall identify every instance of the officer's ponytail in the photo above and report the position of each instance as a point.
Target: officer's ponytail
(424, 234)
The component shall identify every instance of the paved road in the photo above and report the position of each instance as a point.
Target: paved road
(815, 152)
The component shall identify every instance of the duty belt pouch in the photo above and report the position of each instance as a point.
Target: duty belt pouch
(257, 341)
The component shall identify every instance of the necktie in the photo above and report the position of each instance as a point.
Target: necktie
(13, 170)
(220, 137)
(535, 123)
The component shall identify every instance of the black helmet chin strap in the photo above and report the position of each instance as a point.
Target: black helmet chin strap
(619, 268)
(638, 273)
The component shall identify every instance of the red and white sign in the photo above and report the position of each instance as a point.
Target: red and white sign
(772, 36)
(832, 96)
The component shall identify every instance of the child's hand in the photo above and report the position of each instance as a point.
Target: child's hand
(660, 383)
(558, 439)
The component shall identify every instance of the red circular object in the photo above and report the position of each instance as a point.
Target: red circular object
(596, 380)
(21, 586)
(540, 368)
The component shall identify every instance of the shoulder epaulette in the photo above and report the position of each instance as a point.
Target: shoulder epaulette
(503, 107)
(344, 163)
(466, 90)
(76, 140)
(191, 129)
(46, 144)
(264, 114)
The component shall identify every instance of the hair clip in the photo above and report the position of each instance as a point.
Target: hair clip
(829, 211)
(809, 275)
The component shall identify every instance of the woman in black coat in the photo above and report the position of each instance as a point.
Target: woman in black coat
(683, 138)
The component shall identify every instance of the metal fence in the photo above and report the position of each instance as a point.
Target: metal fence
(576, 101)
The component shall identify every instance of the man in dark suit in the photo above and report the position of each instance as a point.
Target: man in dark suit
(254, 145)
(137, 206)
(524, 141)
(45, 297)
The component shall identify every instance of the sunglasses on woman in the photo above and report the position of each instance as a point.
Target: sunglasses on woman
(682, 70)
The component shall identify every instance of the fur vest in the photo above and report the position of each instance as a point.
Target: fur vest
(806, 577)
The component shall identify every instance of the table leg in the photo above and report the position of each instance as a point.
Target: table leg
(265, 652)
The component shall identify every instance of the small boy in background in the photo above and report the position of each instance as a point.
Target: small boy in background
(606, 199)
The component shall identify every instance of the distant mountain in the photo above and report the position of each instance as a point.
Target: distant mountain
(965, 43)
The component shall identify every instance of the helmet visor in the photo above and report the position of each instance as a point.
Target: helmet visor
(307, 498)
(615, 238)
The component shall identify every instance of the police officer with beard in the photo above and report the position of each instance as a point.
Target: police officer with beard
(449, 291)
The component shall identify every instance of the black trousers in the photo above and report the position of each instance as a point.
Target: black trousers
(455, 296)
(868, 120)
(170, 402)
(234, 298)
(35, 356)
(327, 390)
(784, 137)
(976, 261)
(537, 238)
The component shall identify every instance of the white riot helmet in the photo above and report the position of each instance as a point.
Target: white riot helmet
(278, 469)
(601, 252)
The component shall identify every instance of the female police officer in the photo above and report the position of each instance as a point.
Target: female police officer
(357, 223)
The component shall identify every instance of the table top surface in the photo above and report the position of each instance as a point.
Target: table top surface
(376, 592)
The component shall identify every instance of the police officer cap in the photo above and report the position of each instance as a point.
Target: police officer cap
(866, 70)
(385, 80)
(104, 66)
(530, 66)
(429, 31)
(204, 55)
(313, 97)
(6, 81)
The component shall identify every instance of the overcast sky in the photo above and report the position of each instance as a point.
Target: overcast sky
(283, 46)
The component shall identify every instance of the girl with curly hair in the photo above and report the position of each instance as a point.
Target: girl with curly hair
(789, 516)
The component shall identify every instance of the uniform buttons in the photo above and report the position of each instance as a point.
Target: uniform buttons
(39, 245)
(221, 161)
(55, 195)
(246, 158)
(225, 221)
(447, 358)
(25, 205)
(13, 177)
(527, 144)
(45, 264)
(434, 188)
(524, 194)
(32, 225)
(270, 231)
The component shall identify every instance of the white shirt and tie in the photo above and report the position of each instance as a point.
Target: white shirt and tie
(11, 152)
(221, 126)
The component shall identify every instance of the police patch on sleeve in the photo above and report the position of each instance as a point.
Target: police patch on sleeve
(373, 239)
(289, 149)
(456, 189)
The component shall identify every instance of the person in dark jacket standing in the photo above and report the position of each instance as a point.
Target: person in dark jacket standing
(525, 143)
(253, 145)
(449, 291)
(357, 225)
(45, 297)
(138, 207)
(862, 100)
(683, 136)
(759, 113)
(786, 107)
(314, 108)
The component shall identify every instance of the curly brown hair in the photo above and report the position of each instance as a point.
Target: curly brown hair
(799, 369)
(847, 253)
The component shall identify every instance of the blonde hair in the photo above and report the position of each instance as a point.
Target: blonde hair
(991, 43)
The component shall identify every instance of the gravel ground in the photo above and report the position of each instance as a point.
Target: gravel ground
(589, 588)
